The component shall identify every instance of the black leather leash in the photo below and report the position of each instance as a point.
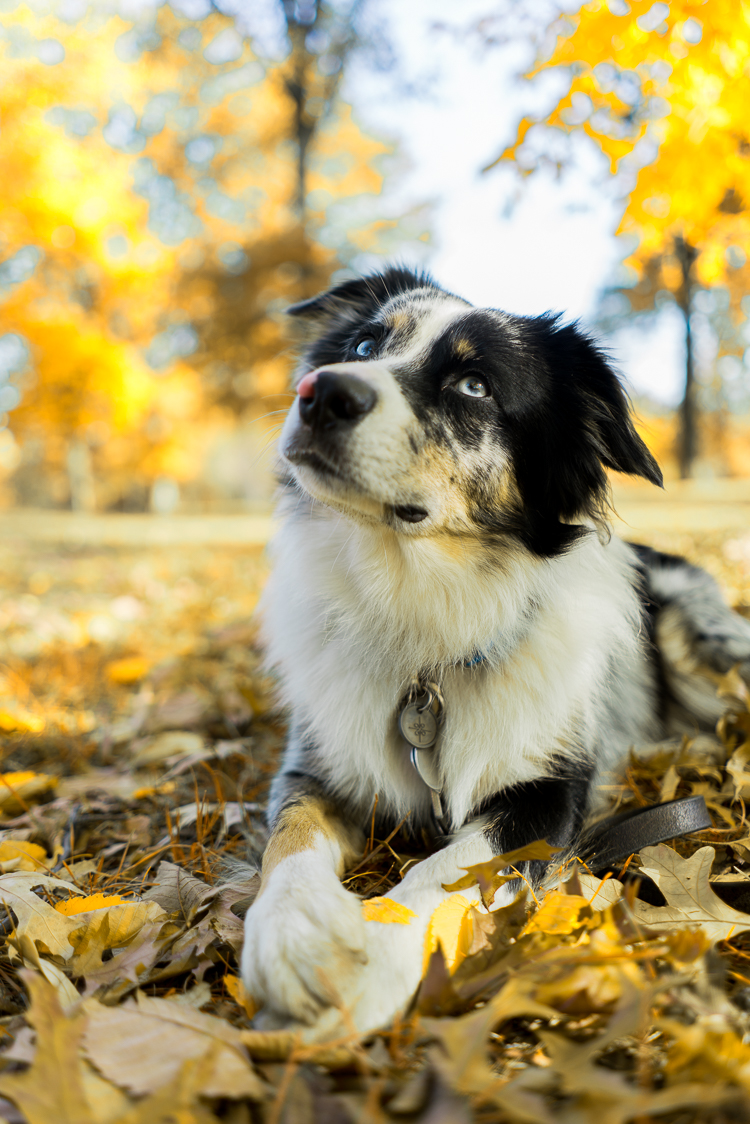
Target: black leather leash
(615, 839)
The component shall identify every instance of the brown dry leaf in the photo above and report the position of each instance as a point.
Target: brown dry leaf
(35, 917)
(737, 768)
(175, 743)
(124, 971)
(142, 1047)
(52, 1088)
(487, 875)
(690, 899)
(178, 1102)
(464, 1061)
(178, 891)
(27, 950)
(600, 892)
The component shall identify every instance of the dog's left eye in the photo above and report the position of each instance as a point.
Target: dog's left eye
(365, 347)
(473, 387)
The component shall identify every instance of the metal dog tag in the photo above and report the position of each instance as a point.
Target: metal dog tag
(418, 725)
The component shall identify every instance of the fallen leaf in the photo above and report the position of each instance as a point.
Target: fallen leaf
(236, 989)
(175, 743)
(87, 904)
(176, 890)
(20, 721)
(450, 926)
(15, 855)
(35, 917)
(52, 1088)
(558, 913)
(17, 789)
(128, 670)
(142, 1047)
(690, 899)
(488, 877)
(387, 911)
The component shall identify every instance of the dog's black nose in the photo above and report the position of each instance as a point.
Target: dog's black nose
(336, 399)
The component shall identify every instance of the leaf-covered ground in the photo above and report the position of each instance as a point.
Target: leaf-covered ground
(139, 735)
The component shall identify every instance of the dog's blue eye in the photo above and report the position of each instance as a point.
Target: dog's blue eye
(365, 347)
(473, 387)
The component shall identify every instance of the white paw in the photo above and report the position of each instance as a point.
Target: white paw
(304, 940)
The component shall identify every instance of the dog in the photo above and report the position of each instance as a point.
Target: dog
(445, 570)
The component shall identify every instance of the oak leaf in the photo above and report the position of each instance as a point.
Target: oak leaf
(690, 899)
(488, 877)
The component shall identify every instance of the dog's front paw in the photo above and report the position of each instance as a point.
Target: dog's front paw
(304, 940)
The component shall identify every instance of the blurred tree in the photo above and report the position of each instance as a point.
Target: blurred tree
(149, 224)
(664, 91)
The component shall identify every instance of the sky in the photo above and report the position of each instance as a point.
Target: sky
(524, 245)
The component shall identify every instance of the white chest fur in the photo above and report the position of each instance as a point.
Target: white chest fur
(352, 613)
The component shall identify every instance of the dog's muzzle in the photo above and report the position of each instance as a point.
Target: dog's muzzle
(331, 401)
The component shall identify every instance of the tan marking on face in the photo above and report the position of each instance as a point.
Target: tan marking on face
(303, 826)
(464, 349)
(399, 320)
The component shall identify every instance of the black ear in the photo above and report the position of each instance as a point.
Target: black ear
(573, 420)
(354, 298)
(605, 407)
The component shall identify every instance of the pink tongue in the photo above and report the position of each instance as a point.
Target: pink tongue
(306, 387)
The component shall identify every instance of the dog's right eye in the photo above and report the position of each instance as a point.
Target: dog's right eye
(365, 347)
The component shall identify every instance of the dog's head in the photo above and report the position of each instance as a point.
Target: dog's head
(418, 411)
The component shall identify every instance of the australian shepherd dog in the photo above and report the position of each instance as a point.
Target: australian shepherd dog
(454, 628)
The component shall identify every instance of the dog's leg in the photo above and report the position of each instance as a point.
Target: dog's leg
(304, 934)
(550, 808)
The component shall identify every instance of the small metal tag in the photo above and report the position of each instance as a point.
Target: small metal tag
(419, 727)
(425, 764)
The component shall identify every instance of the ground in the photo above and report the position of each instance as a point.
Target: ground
(139, 734)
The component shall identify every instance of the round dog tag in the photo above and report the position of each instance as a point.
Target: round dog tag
(419, 727)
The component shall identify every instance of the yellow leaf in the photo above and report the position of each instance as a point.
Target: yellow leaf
(387, 911)
(236, 989)
(128, 670)
(21, 722)
(16, 789)
(451, 927)
(87, 905)
(558, 913)
(15, 855)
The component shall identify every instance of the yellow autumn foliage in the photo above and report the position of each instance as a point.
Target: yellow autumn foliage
(147, 223)
(663, 90)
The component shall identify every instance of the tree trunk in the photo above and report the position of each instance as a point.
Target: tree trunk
(687, 438)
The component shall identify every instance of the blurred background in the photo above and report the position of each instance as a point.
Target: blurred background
(173, 175)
